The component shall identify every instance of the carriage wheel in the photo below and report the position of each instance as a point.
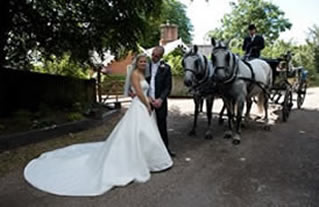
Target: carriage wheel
(301, 92)
(287, 105)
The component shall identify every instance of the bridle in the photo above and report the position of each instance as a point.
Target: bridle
(235, 65)
(200, 76)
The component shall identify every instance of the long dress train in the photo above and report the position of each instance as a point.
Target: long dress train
(130, 153)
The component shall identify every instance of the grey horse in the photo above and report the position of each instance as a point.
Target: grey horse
(239, 82)
(198, 78)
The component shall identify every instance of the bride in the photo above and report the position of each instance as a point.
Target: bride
(130, 153)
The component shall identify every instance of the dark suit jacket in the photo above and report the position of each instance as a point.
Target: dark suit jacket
(253, 48)
(163, 84)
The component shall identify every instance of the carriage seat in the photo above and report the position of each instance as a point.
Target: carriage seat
(274, 63)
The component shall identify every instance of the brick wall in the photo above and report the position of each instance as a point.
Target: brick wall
(119, 67)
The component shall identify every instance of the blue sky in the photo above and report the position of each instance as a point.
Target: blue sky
(206, 16)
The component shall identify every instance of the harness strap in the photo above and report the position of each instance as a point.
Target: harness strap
(251, 69)
(234, 75)
(252, 80)
(258, 83)
(252, 74)
(206, 75)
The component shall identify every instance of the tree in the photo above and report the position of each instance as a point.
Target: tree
(62, 66)
(75, 26)
(174, 12)
(174, 59)
(267, 17)
(303, 55)
(313, 41)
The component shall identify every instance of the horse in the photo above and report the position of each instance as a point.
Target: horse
(197, 77)
(240, 82)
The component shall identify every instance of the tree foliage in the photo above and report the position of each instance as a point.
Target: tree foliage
(174, 59)
(75, 26)
(303, 55)
(63, 66)
(267, 17)
(313, 41)
(171, 11)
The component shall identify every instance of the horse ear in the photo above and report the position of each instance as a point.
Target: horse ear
(213, 41)
(195, 49)
(183, 49)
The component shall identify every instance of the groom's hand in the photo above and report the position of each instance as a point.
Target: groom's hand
(157, 103)
(131, 94)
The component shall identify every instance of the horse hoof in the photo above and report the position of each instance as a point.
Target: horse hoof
(208, 136)
(248, 118)
(257, 118)
(267, 127)
(221, 121)
(243, 125)
(227, 135)
(192, 133)
(236, 141)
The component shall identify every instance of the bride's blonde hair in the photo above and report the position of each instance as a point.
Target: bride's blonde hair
(129, 71)
(136, 59)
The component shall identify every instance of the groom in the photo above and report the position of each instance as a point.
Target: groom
(159, 76)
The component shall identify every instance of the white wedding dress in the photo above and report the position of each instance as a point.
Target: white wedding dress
(130, 153)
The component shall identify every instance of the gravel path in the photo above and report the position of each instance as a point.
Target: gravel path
(279, 167)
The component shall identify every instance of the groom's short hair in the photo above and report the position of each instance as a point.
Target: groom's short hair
(160, 49)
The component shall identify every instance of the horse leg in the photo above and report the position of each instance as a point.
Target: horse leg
(201, 103)
(266, 104)
(196, 102)
(266, 107)
(230, 114)
(209, 106)
(221, 113)
(240, 107)
(249, 104)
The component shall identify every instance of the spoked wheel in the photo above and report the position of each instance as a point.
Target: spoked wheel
(287, 105)
(275, 96)
(301, 94)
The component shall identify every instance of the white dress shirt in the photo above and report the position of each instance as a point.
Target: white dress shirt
(252, 37)
(152, 82)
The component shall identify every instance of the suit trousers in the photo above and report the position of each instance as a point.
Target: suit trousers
(161, 118)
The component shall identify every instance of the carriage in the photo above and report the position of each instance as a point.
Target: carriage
(239, 82)
(289, 83)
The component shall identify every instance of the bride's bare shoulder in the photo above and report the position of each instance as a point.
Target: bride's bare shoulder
(134, 74)
(135, 77)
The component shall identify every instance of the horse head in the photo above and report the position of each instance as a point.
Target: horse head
(223, 61)
(194, 65)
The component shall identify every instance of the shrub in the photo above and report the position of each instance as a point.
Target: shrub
(74, 116)
(174, 59)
